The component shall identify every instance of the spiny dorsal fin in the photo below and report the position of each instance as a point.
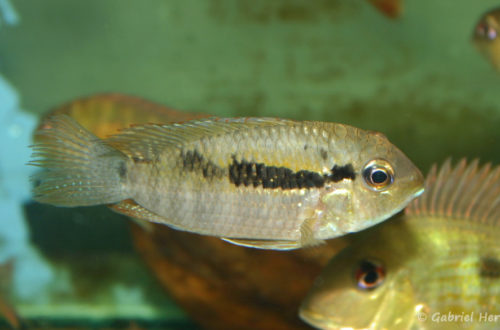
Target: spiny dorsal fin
(466, 191)
(147, 140)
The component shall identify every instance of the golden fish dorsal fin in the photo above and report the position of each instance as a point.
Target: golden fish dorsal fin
(466, 191)
(105, 114)
(146, 140)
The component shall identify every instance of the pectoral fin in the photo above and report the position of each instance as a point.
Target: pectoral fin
(281, 245)
(307, 238)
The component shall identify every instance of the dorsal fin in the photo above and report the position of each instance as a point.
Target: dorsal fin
(105, 114)
(465, 191)
(146, 140)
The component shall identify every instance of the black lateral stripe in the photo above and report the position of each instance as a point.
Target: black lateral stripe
(273, 177)
(340, 173)
(193, 161)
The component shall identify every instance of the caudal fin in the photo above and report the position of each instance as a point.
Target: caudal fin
(78, 169)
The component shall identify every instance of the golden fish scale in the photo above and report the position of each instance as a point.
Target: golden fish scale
(448, 277)
(489, 46)
(192, 201)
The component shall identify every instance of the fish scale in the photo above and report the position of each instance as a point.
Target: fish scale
(259, 182)
(237, 197)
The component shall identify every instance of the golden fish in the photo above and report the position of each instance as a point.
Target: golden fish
(108, 113)
(486, 37)
(259, 182)
(438, 267)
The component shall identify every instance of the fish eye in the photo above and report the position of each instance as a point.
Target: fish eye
(378, 174)
(369, 275)
(485, 31)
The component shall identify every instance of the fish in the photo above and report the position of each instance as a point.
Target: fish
(105, 114)
(211, 269)
(432, 267)
(486, 36)
(259, 182)
(390, 8)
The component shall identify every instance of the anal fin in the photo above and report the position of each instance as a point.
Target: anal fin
(307, 239)
(264, 244)
(143, 217)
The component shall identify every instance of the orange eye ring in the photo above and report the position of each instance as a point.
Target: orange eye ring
(369, 275)
(378, 174)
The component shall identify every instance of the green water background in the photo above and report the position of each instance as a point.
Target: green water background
(417, 79)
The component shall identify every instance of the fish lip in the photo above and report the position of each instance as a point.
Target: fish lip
(411, 198)
(403, 206)
(419, 192)
(316, 320)
(389, 215)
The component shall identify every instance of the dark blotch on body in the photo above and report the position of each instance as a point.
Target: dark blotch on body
(122, 170)
(489, 267)
(192, 161)
(342, 172)
(323, 153)
(273, 177)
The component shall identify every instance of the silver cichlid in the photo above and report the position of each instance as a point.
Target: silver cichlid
(436, 268)
(265, 183)
(486, 37)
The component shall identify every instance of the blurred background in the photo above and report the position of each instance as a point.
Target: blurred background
(417, 78)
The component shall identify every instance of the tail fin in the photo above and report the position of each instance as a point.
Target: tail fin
(79, 169)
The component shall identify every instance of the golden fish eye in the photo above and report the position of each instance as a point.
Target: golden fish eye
(378, 174)
(369, 275)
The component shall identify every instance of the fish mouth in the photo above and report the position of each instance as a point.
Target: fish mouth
(419, 192)
(413, 197)
(317, 320)
(405, 203)
(409, 200)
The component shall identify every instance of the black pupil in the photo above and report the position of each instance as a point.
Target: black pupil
(371, 277)
(379, 176)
